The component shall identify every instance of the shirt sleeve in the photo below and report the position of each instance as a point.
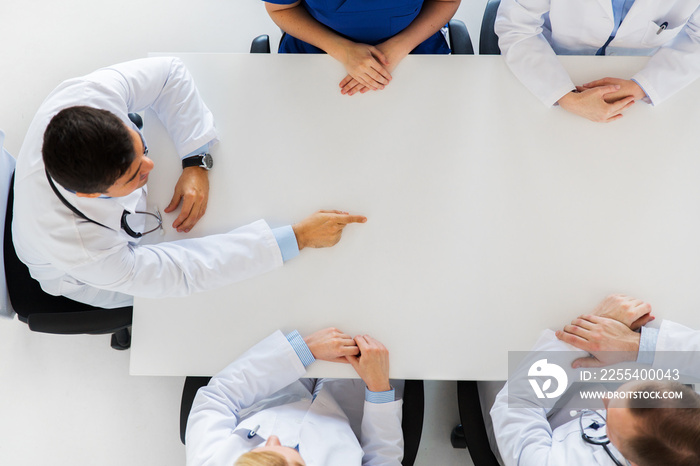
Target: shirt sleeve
(198, 151)
(165, 85)
(380, 397)
(517, 410)
(675, 65)
(647, 345)
(381, 435)
(179, 268)
(528, 54)
(301, 348)
(261, 371)
(287, 242)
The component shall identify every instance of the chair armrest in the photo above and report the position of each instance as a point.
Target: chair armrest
(95, 322)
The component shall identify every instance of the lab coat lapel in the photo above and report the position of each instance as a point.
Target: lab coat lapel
(607, 7)
(326, 437)
(284, 421)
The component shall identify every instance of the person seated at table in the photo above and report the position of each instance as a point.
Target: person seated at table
(259, 408)
(532, 32)
(543, 430)
(368, 38)
(80, 194)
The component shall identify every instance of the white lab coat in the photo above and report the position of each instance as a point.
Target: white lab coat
(525, 436)
(531, 32)
(88, 263)
(261, 391)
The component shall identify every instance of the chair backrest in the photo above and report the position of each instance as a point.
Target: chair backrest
(7, 168)
(460, 42)
(260, 44)
(488, 40)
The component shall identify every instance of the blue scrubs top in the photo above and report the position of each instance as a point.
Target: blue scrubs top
(364, 21)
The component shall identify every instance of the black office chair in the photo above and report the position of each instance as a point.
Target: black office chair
(38, 309)
(488, 40)
(471, 433)
(260, 44)
(460, 42)
(412, 423)
(34, 307)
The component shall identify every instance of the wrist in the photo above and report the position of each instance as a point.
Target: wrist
(568, 99)
(395, 49)
(383, 386)
(338, 47)
(633, 346)
(298, 233)
(309, 344)
(195, 170)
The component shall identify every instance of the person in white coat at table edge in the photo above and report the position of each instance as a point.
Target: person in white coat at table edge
(651, 420)
(257, 411)
(79, 196)
(532, 32)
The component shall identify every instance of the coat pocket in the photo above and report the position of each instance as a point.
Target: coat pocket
(656, 35)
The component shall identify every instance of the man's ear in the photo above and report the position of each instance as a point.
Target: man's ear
(91, 195)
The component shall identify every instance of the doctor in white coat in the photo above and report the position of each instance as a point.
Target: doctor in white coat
(73, 238)
(532, 32)
(259, 405)
(531, 436)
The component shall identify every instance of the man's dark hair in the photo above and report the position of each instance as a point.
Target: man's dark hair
(86, 149)
(670, 432)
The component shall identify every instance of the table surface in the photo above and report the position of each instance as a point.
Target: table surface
(490, 217)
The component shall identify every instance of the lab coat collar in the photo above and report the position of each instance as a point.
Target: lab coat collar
(105, 210)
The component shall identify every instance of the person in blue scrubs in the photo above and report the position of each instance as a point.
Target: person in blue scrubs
(369, 37)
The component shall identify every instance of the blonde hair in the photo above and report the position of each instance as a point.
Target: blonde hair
(261, 458)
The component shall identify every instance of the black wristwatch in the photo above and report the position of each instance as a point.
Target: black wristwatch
(205, 161)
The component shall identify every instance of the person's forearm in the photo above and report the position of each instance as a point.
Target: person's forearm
(297, 22)
(433, 16)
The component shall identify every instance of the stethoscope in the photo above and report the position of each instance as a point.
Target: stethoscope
(124, 224)
(600, 440)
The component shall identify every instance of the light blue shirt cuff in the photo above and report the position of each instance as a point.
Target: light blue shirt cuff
(647, 345)
(642, 87)
(380, 397)
(300, 348)
(202, 150)
(287, 241)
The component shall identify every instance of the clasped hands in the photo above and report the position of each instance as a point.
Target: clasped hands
(609, 332)
(369, 67)
(368, 357)
(603, 100)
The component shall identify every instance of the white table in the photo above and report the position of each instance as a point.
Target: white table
(490, 216)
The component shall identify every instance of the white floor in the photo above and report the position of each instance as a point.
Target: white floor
(69, 400)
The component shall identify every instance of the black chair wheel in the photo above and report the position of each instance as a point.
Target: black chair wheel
(121, 340)
(457, 437)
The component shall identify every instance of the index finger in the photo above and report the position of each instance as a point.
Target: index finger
(361, 342)
(347, 218)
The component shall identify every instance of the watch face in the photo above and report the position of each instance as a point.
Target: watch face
(207, 161)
